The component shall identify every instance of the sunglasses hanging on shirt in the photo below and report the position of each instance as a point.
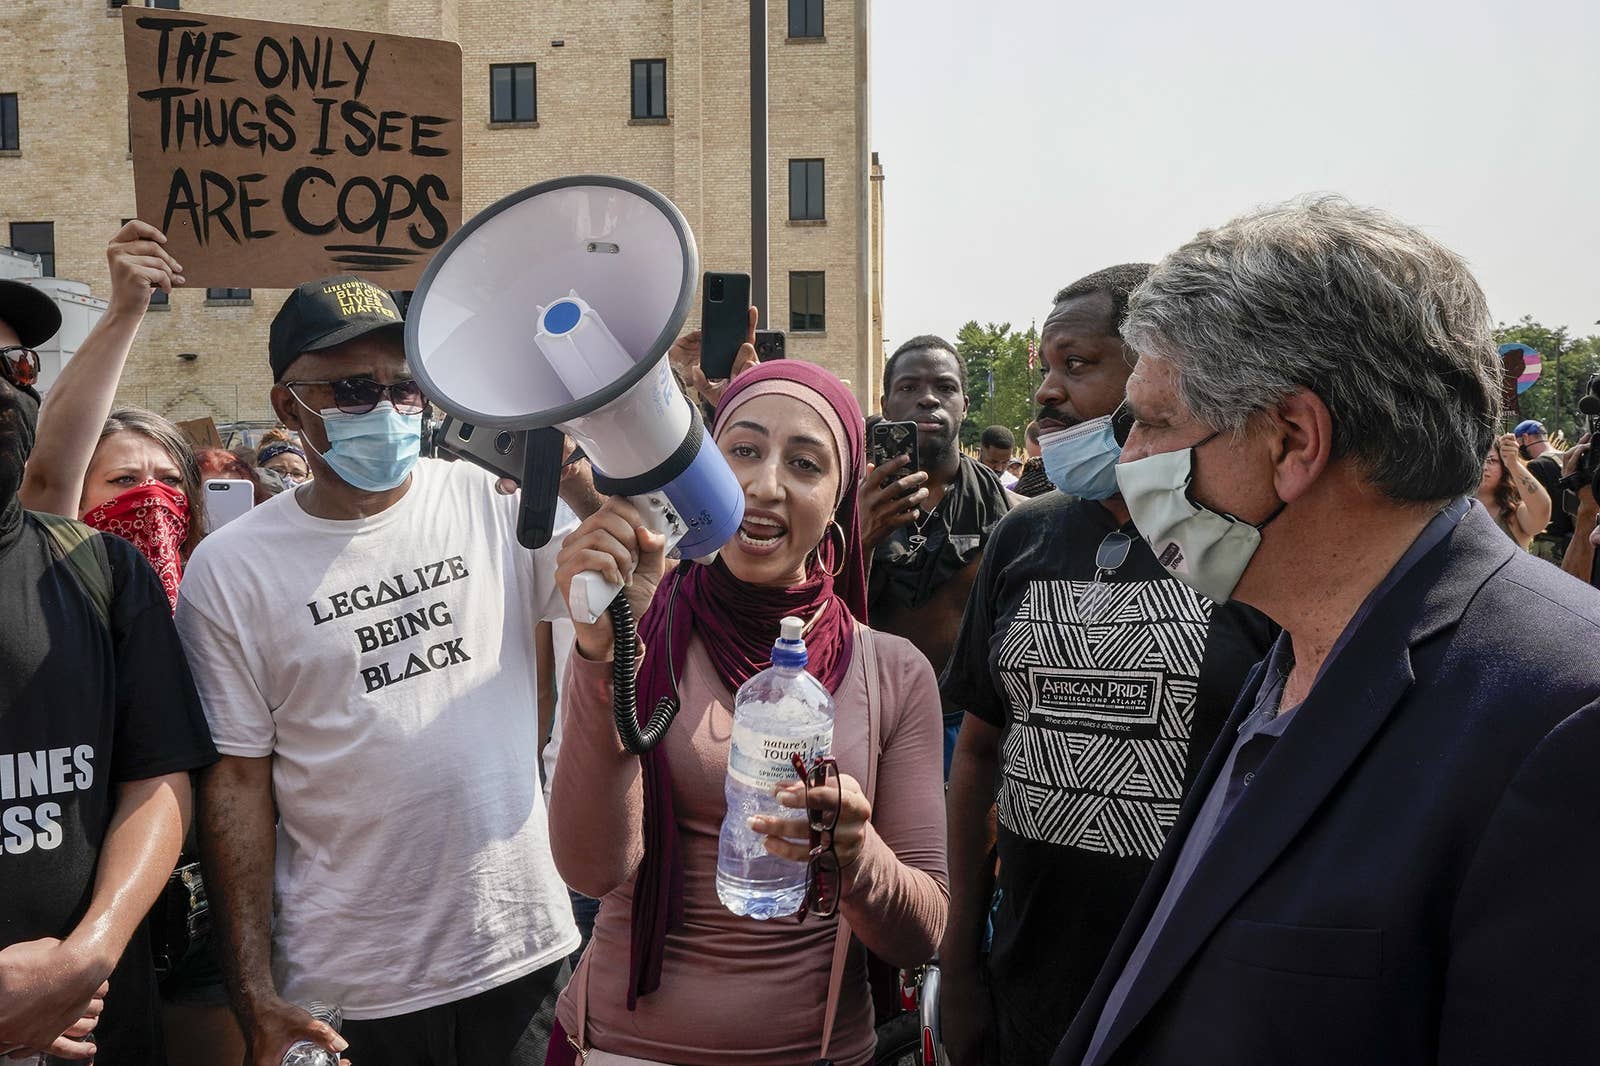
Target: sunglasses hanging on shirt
(1095, 599)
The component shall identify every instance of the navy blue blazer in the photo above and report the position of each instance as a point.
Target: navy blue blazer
(1414, 874)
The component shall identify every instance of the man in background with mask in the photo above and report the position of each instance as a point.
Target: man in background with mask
(1094, 685)
(373, 692)
(1388, 858)
(99, 728)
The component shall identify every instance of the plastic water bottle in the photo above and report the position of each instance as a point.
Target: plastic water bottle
(306, 1053)
(780, 711)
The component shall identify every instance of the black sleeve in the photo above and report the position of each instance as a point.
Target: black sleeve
(968, 682)
(1548, 471)
(161, 728)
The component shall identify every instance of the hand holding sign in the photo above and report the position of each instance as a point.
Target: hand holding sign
(140, 265)
(271, 153)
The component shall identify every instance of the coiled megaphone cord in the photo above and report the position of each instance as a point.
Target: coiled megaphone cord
(624, 683)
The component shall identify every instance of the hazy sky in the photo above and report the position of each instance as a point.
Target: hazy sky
(1029, 142)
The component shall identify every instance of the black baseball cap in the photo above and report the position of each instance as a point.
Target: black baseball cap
(330, 311)
(29, 311)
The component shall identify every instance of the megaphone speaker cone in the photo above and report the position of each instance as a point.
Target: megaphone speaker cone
(512, 272)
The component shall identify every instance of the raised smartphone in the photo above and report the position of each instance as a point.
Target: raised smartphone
(724, 321)
(769, 344)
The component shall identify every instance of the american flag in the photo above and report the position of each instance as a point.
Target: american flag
(1033, 349)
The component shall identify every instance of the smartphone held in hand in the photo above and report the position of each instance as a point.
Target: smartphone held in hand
(227, 499)
(724, 322)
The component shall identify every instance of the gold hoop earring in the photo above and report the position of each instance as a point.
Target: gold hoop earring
(844, 546)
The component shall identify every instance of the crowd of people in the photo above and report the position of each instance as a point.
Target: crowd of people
(1196, 733)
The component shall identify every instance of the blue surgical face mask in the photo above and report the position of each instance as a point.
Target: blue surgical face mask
(1082, 460)
(373, 452)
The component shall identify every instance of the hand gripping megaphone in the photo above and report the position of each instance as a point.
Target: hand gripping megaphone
(552, 311)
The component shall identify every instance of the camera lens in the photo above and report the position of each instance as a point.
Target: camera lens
(505, 442)
(716, 289)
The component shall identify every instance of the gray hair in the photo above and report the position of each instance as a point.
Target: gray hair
(1384, 324)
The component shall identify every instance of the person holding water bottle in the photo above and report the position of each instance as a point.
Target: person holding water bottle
(673, 975)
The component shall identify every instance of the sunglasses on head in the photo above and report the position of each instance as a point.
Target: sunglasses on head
(19, 365)
(358, 395)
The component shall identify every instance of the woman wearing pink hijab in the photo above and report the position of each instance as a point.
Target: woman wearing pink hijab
(671, 976)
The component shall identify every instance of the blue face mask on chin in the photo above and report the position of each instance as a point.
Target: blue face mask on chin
(375, 451)
(1081, 460)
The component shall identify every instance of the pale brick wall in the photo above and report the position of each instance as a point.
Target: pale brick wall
(73, 168)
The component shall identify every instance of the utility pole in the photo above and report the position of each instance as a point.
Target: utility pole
(758, 158)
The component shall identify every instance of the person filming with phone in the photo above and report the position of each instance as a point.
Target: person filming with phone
(927, 512)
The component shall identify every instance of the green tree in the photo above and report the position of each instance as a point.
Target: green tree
(1568, 364)
(1000, 385)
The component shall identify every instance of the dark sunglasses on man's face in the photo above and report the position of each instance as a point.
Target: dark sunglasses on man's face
(19, 365)
(357, 396)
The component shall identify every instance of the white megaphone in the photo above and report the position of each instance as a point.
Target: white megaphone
(555, 307)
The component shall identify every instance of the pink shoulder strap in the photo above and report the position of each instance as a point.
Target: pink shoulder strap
(841, 947)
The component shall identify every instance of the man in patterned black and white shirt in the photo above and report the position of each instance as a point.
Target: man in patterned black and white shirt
(1089, 710)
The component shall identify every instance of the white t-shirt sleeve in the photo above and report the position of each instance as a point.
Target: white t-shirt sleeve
(239, 716)
(536, 569)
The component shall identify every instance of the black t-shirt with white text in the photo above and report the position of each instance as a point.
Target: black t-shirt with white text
(83, 710)
(1107, 708)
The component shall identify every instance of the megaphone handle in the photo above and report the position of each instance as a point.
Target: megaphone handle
(592, 593)
(541, 481)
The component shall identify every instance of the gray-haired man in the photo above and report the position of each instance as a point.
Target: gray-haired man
(1388, 858)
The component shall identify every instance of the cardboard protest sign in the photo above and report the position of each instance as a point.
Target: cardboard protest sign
(272, 153)
(202, 432)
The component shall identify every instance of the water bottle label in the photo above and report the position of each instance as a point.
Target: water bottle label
(761, 760)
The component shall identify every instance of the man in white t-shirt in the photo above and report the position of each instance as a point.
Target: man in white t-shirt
(363, 646)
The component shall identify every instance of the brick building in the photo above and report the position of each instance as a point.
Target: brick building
(653, 90)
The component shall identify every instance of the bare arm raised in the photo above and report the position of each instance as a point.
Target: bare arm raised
(80, 400)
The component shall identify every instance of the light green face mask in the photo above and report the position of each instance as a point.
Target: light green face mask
(1205, 550)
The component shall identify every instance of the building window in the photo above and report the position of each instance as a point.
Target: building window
(805, 189)
(8, 122)
(649, 88)
(232, 296)
(511, 93)
(170, 5)
(806, 301)
(805, 18)
(37, 238)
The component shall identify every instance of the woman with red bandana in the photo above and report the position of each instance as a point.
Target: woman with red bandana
(143, 484)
